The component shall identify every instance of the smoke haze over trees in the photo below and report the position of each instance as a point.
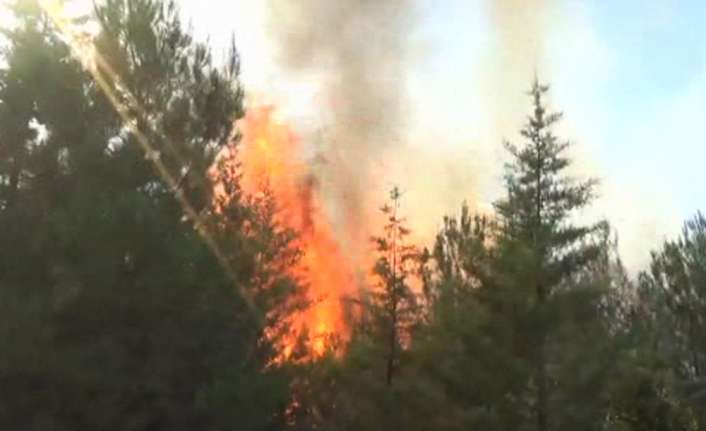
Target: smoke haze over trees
(143, 288)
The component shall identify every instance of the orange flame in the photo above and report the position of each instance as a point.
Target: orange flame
(271, 154)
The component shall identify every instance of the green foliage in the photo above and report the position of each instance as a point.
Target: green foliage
(539, 250)
(673, 293)
(678, 273)
(120, 316)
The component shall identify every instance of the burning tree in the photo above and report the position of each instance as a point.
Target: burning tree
(270, 159)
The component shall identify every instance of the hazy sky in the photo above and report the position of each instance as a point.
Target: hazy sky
(629, 75)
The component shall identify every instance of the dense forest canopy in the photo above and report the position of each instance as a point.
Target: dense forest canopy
(143, 287)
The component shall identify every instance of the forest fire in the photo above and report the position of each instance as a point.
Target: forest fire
(271, 157)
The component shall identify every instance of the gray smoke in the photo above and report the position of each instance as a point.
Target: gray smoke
(520, 28)
(358, 49)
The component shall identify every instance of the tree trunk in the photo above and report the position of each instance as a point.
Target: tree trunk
(393, 323)
(391, 356)
(393, 294)
(542, 389)
(14, 184)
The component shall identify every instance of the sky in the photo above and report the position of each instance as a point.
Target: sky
(629, 75)
(631, 78)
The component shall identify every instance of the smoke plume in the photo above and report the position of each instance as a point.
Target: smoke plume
(357, 48)
(517, 57)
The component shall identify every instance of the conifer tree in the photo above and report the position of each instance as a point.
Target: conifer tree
(675, 285)
(540, 245)
(394, 268)
(121, 316)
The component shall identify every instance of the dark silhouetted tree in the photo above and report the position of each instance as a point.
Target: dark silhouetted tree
(394, 268)
(125, 310)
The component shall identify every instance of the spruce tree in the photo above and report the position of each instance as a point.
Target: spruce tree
(541, 246)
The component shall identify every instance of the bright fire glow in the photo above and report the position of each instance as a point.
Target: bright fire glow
(271, 155)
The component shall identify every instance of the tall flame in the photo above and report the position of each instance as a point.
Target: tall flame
(271, 156)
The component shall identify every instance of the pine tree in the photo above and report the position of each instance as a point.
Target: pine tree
(351, 392)
(462, 252)
(394, 268)
(675, 287)
(542, 248)
(129, 319)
